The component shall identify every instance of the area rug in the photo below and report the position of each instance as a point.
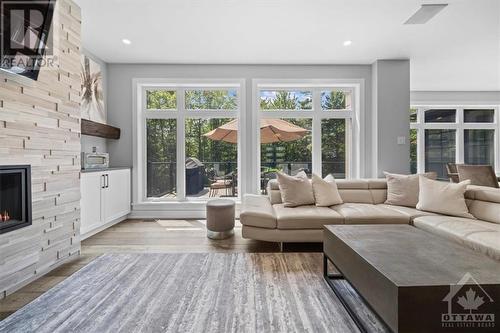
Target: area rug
(197, 292)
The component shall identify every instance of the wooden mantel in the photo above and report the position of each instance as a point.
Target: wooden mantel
(101, 130)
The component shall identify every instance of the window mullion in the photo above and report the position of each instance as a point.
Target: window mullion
(421, 150)
(181, 145)
(316, 133)
(460, 149)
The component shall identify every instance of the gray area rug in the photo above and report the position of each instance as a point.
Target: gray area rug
(189, 293)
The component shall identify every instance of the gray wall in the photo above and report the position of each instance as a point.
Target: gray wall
(120, 91)
(456, 97)
(91, 141)
(390, 116)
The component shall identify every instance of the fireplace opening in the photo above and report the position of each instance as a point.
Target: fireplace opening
(15, 197)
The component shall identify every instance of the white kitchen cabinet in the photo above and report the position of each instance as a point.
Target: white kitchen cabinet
(90, 204)
(105, 199)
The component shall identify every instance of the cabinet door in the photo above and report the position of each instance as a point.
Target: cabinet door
(117, 194)
(91, 212)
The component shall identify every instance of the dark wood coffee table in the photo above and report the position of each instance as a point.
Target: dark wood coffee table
(414, 279)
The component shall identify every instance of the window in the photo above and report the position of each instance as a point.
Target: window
(211, 162)
(188, 134)
(289, 156)
(439, 150)
(211, 99)
(441, 135)
(479, 146)
(306, 128)
(193, 142)
(336, 100)
(161, 99)
(334, 147)
(161, 155)
(440, 116)
(272, 100)
(479, 116)
(413, 151)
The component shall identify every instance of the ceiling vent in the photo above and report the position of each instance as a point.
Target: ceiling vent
(425, 13)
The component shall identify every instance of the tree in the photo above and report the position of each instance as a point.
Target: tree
(334, 100)
(298, 151)
(211, 99)
(161, 99)
(161, 156)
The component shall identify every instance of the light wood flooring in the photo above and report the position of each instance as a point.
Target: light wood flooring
(144, 236)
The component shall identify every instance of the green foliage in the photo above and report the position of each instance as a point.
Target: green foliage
(211, 99)
(413, 151)
(285, 100)
(333, 146)
(224, 154)
(161, 99)
(333, 100)
(161, 156)
(413, 115)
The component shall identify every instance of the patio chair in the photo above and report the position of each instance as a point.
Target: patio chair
(451, 169)
(224, 182)
(481, 175)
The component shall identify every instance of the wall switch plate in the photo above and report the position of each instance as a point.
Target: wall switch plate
(401, 140)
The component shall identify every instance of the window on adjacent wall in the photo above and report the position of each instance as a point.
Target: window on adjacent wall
(441, 135)
(305, 129)
(190, 143)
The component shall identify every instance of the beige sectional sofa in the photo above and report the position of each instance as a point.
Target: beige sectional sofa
(265, 217)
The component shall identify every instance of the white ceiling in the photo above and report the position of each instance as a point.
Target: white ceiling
(459, 49)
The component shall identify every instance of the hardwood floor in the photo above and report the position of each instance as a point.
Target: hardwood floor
(144, 236)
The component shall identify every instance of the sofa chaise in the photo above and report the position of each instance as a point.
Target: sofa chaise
(265, 218)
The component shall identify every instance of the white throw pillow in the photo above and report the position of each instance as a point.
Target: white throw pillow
(443, 197)
(325, 191)
(402, 190)
(295, 191)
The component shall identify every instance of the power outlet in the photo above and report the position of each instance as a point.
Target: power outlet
(401, 140)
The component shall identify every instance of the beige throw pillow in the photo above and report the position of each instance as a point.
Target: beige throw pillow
(443, 197)
(402, 190)
(295, 191)
(325, 191)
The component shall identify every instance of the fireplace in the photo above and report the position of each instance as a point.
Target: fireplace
(15, 197)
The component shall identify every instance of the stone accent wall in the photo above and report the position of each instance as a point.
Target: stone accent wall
(40, 126)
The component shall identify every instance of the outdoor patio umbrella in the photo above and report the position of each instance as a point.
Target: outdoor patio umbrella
(271, 130)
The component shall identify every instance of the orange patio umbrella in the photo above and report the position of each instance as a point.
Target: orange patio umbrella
(271, 130)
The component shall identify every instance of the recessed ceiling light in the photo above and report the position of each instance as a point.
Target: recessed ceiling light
(126, 41)
(347, 42)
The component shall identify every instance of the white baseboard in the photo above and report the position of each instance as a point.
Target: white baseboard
(104, 226)
(166, 214)
(174, 210)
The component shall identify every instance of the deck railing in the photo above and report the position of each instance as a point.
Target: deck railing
(161, 175)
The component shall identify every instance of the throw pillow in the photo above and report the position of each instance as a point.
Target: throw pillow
(295, 191)
(443, 197)
(402, 190)
(325, 191)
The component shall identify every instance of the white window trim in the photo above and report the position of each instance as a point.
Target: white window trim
(356, 114)
(140, 114)
(459, 126)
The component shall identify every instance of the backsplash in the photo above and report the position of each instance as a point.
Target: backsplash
(88, 142)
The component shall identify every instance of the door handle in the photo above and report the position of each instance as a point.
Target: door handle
(107, 180)
(103, 181)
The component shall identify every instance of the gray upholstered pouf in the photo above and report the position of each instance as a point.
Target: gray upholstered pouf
(220, 218)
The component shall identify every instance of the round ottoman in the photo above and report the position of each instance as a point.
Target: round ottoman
(220, 218)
